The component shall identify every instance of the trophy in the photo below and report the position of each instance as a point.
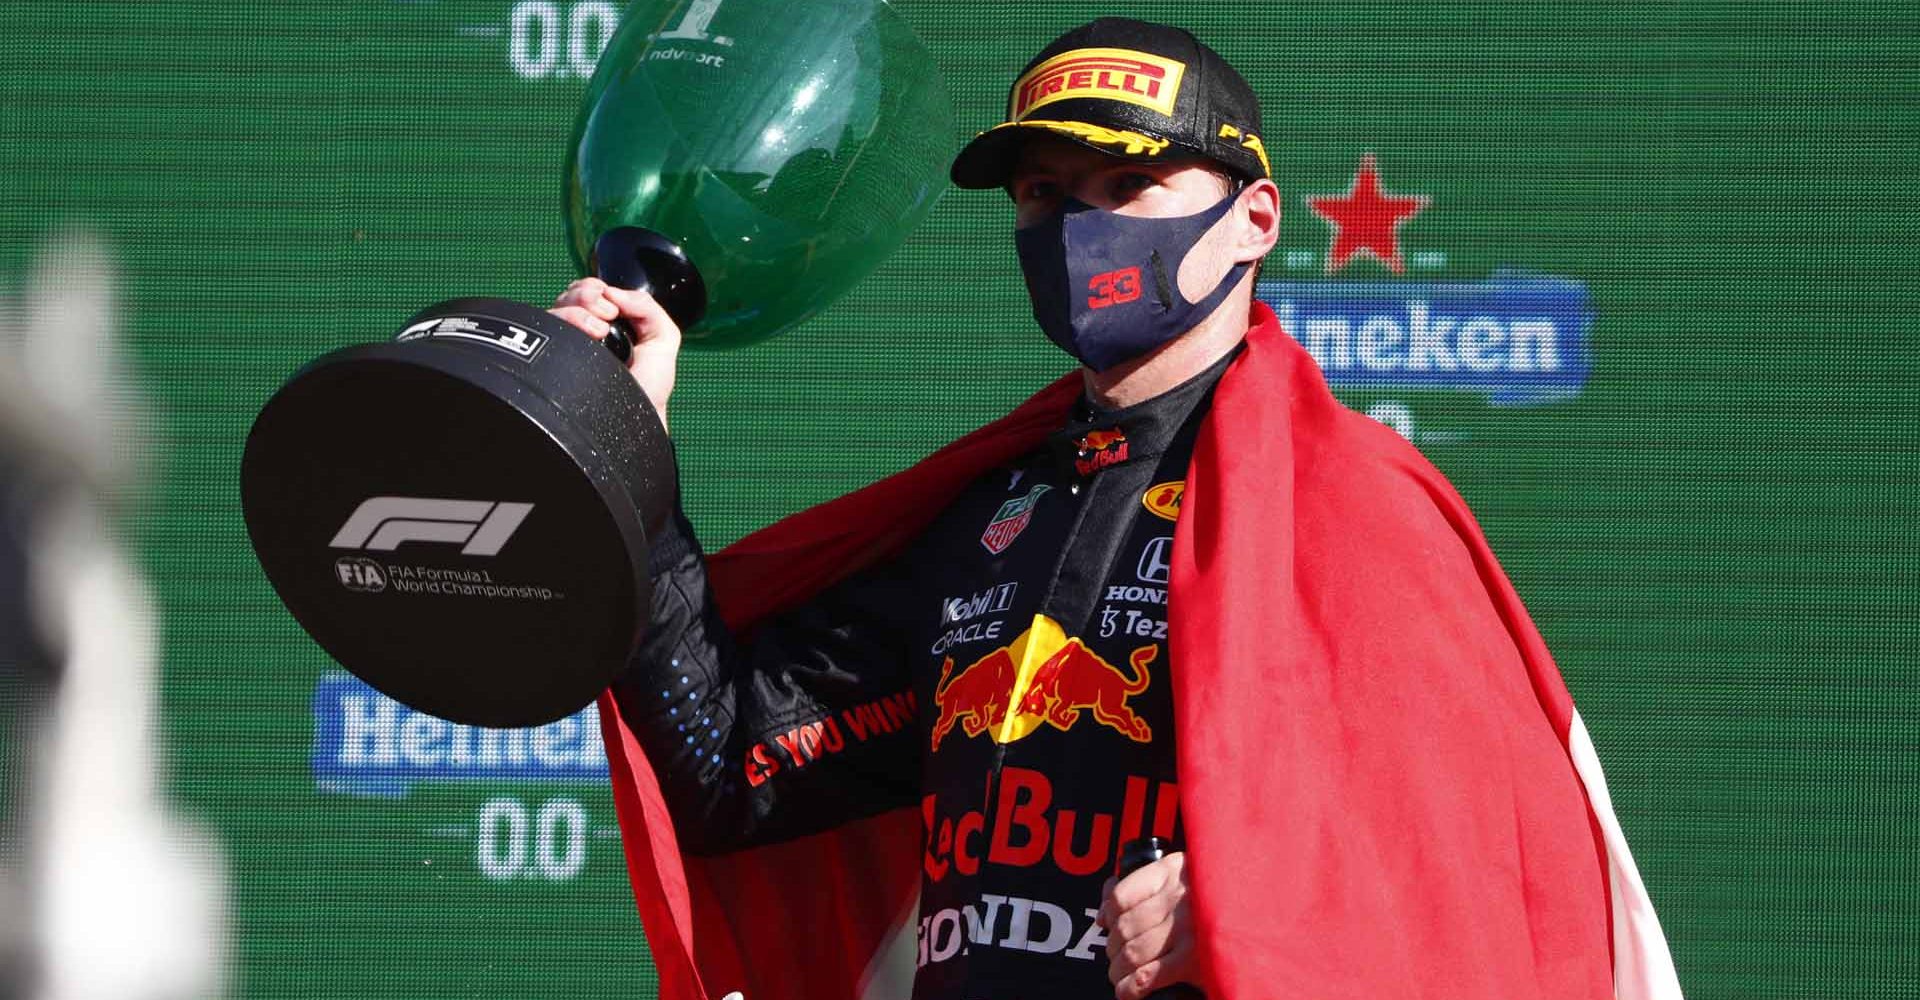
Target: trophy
(460, 516)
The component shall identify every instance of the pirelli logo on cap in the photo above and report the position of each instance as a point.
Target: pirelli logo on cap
(1112, 74)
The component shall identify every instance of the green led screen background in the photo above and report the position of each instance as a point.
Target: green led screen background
(1713, 523)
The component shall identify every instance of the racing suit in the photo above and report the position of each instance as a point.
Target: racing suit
(1007, 674)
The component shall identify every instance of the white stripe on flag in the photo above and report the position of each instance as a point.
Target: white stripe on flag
(890, 975)
(1642, 965)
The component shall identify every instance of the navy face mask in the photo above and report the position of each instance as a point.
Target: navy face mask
(1106, 287)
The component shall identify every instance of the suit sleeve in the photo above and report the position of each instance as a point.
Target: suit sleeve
(729, 722)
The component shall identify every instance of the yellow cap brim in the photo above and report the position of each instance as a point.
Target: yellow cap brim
(988, 161)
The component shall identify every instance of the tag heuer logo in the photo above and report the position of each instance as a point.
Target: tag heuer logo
(1011, 520)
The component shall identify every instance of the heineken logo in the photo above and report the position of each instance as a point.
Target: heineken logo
(1395, 343)
(1010, 520)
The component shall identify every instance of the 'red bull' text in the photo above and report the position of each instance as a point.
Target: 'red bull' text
(1028, 830)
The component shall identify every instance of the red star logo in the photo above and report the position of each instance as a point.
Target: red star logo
(1366, 219)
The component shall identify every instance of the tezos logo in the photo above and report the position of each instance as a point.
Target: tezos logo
(480, 527)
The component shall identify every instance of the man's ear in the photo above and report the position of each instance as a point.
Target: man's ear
(1259, 207)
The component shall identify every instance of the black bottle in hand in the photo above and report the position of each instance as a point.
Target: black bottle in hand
(1135, 855)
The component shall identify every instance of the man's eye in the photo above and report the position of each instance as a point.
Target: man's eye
(1131, 183)
(1039, 191)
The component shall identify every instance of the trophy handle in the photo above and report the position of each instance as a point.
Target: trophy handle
(643, 260)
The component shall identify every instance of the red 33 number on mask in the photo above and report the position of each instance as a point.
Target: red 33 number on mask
(1113, 287)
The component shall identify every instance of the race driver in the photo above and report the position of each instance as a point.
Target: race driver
(1380, 772)
(1029, 624)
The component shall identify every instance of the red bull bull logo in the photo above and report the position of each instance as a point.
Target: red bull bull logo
(1041, 678)
(1100, 449)
(1077, 680)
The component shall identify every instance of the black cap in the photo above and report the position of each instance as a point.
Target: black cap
(1130, 88)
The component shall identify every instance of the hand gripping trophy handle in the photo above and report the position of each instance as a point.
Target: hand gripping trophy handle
(642, 260)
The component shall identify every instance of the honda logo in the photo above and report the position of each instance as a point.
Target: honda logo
(481, 527)
(1156, 560)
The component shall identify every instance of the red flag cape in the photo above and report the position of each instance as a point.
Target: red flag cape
(1385, 788)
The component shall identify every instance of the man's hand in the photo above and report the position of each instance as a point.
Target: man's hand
(593, 305)
(1149, 930)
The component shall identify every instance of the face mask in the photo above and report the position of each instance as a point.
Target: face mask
(1106, 288)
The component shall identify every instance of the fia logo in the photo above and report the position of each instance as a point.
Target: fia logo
(360, 573)
(480, 527)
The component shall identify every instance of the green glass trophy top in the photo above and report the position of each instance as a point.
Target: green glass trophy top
(787, 147)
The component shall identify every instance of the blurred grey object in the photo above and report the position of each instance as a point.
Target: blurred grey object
(103, 892)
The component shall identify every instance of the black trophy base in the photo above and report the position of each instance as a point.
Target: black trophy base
(460, 517)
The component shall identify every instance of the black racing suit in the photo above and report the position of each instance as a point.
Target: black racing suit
(1007, 674)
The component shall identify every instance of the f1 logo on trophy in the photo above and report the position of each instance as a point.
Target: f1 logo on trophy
(746, 170)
